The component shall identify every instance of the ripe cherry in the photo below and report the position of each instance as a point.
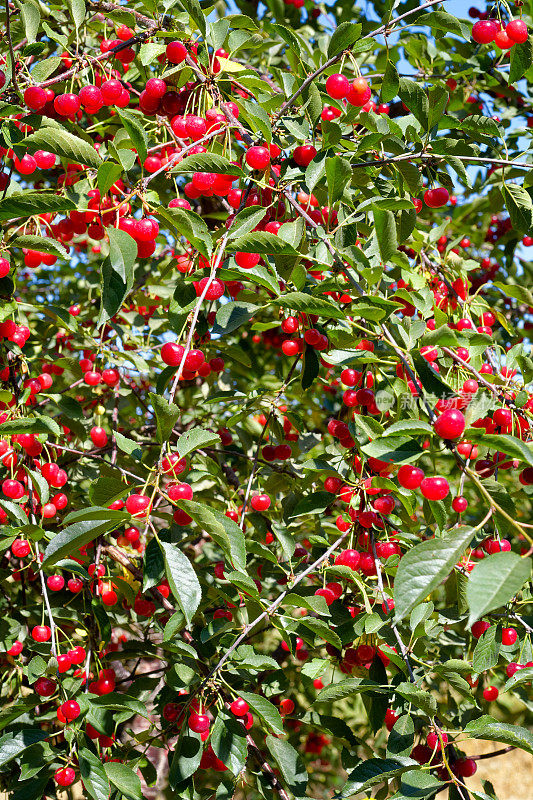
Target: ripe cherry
(199, 723)
(435, 488)
(41, 633)
(65, 777)
(258, 157)
(20, 548)
(491, 693)
(138, 505)
(45, 687)
(98, 436)
(484, 31)
(450, 424)
(55, 582)
(459, 504)
(35, 98)
(260, 502)
(509, 636)
(434, 742)
(15, 649)
(479, 628)
(286, 706)
(70, 710)
(410, 477)
(349, 558)
(337, 86)
(435, 198)
(516, 30)
(359, 93)
(239, 707)
(465, 767)
(391, 718)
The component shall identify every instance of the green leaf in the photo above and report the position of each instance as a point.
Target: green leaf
(31, 17)
(523, 675)
(311, 367)
(194, 439)
(385, 230)
(394, 449)
(418, 697)
(74, 536)
(519, 206)
(416, 100)
(191, 226)
(30, 425)
(228, 740)
(64, 144)
(182, 579)
(313, 503)
(488, 728)
(425, 566)
(13, 744)
(106, 489)
(225, 532)
(375, 770)
(194, 10)
(108, 173)
(93, 775)
(442, 21)
(265, 709)
(77, 8)
(124, 779)
(345, 688)
(486, 651)
(343, 37)
(262, 242)
(290, 764)
(306, 303)
(185, 758)
(41, 245)
(339, 175)
(26, 204)
(122, 254)
(494, 581)
(521, 59)
(390, 84)
(510, 445)
(208, 162)
(232, 315)
(401, 738)
(135, 129)
(166, 415)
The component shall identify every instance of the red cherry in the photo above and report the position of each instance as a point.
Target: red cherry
(465, 767)
(450, 424)
(509, 636)
(249, 261)
(15, 649)
(390, 718)
(260, 502)
(258, 157)
(20, 548)
(337, 86)
(491, 693)
(359, 93)
(172, 354)
(138, 505)
(286, 706)
(55, 582)
(41, 633)
(5, 267)
(35, 98)
(65, 776)
(199, 723)
(516, 30)
(45, 687)
(435, 488)
(410, 477)
(479, 628)
(434, 742)
(459, 504)
(176, 52)
(111, 91)
(70, 710)
(77, 655)
(304, 154)
(239, 707)
(66, 105)
(435, 198)
(484, 31)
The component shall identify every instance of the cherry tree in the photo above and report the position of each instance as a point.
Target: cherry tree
(266, 459)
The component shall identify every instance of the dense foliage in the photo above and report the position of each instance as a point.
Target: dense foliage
(266, 456)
